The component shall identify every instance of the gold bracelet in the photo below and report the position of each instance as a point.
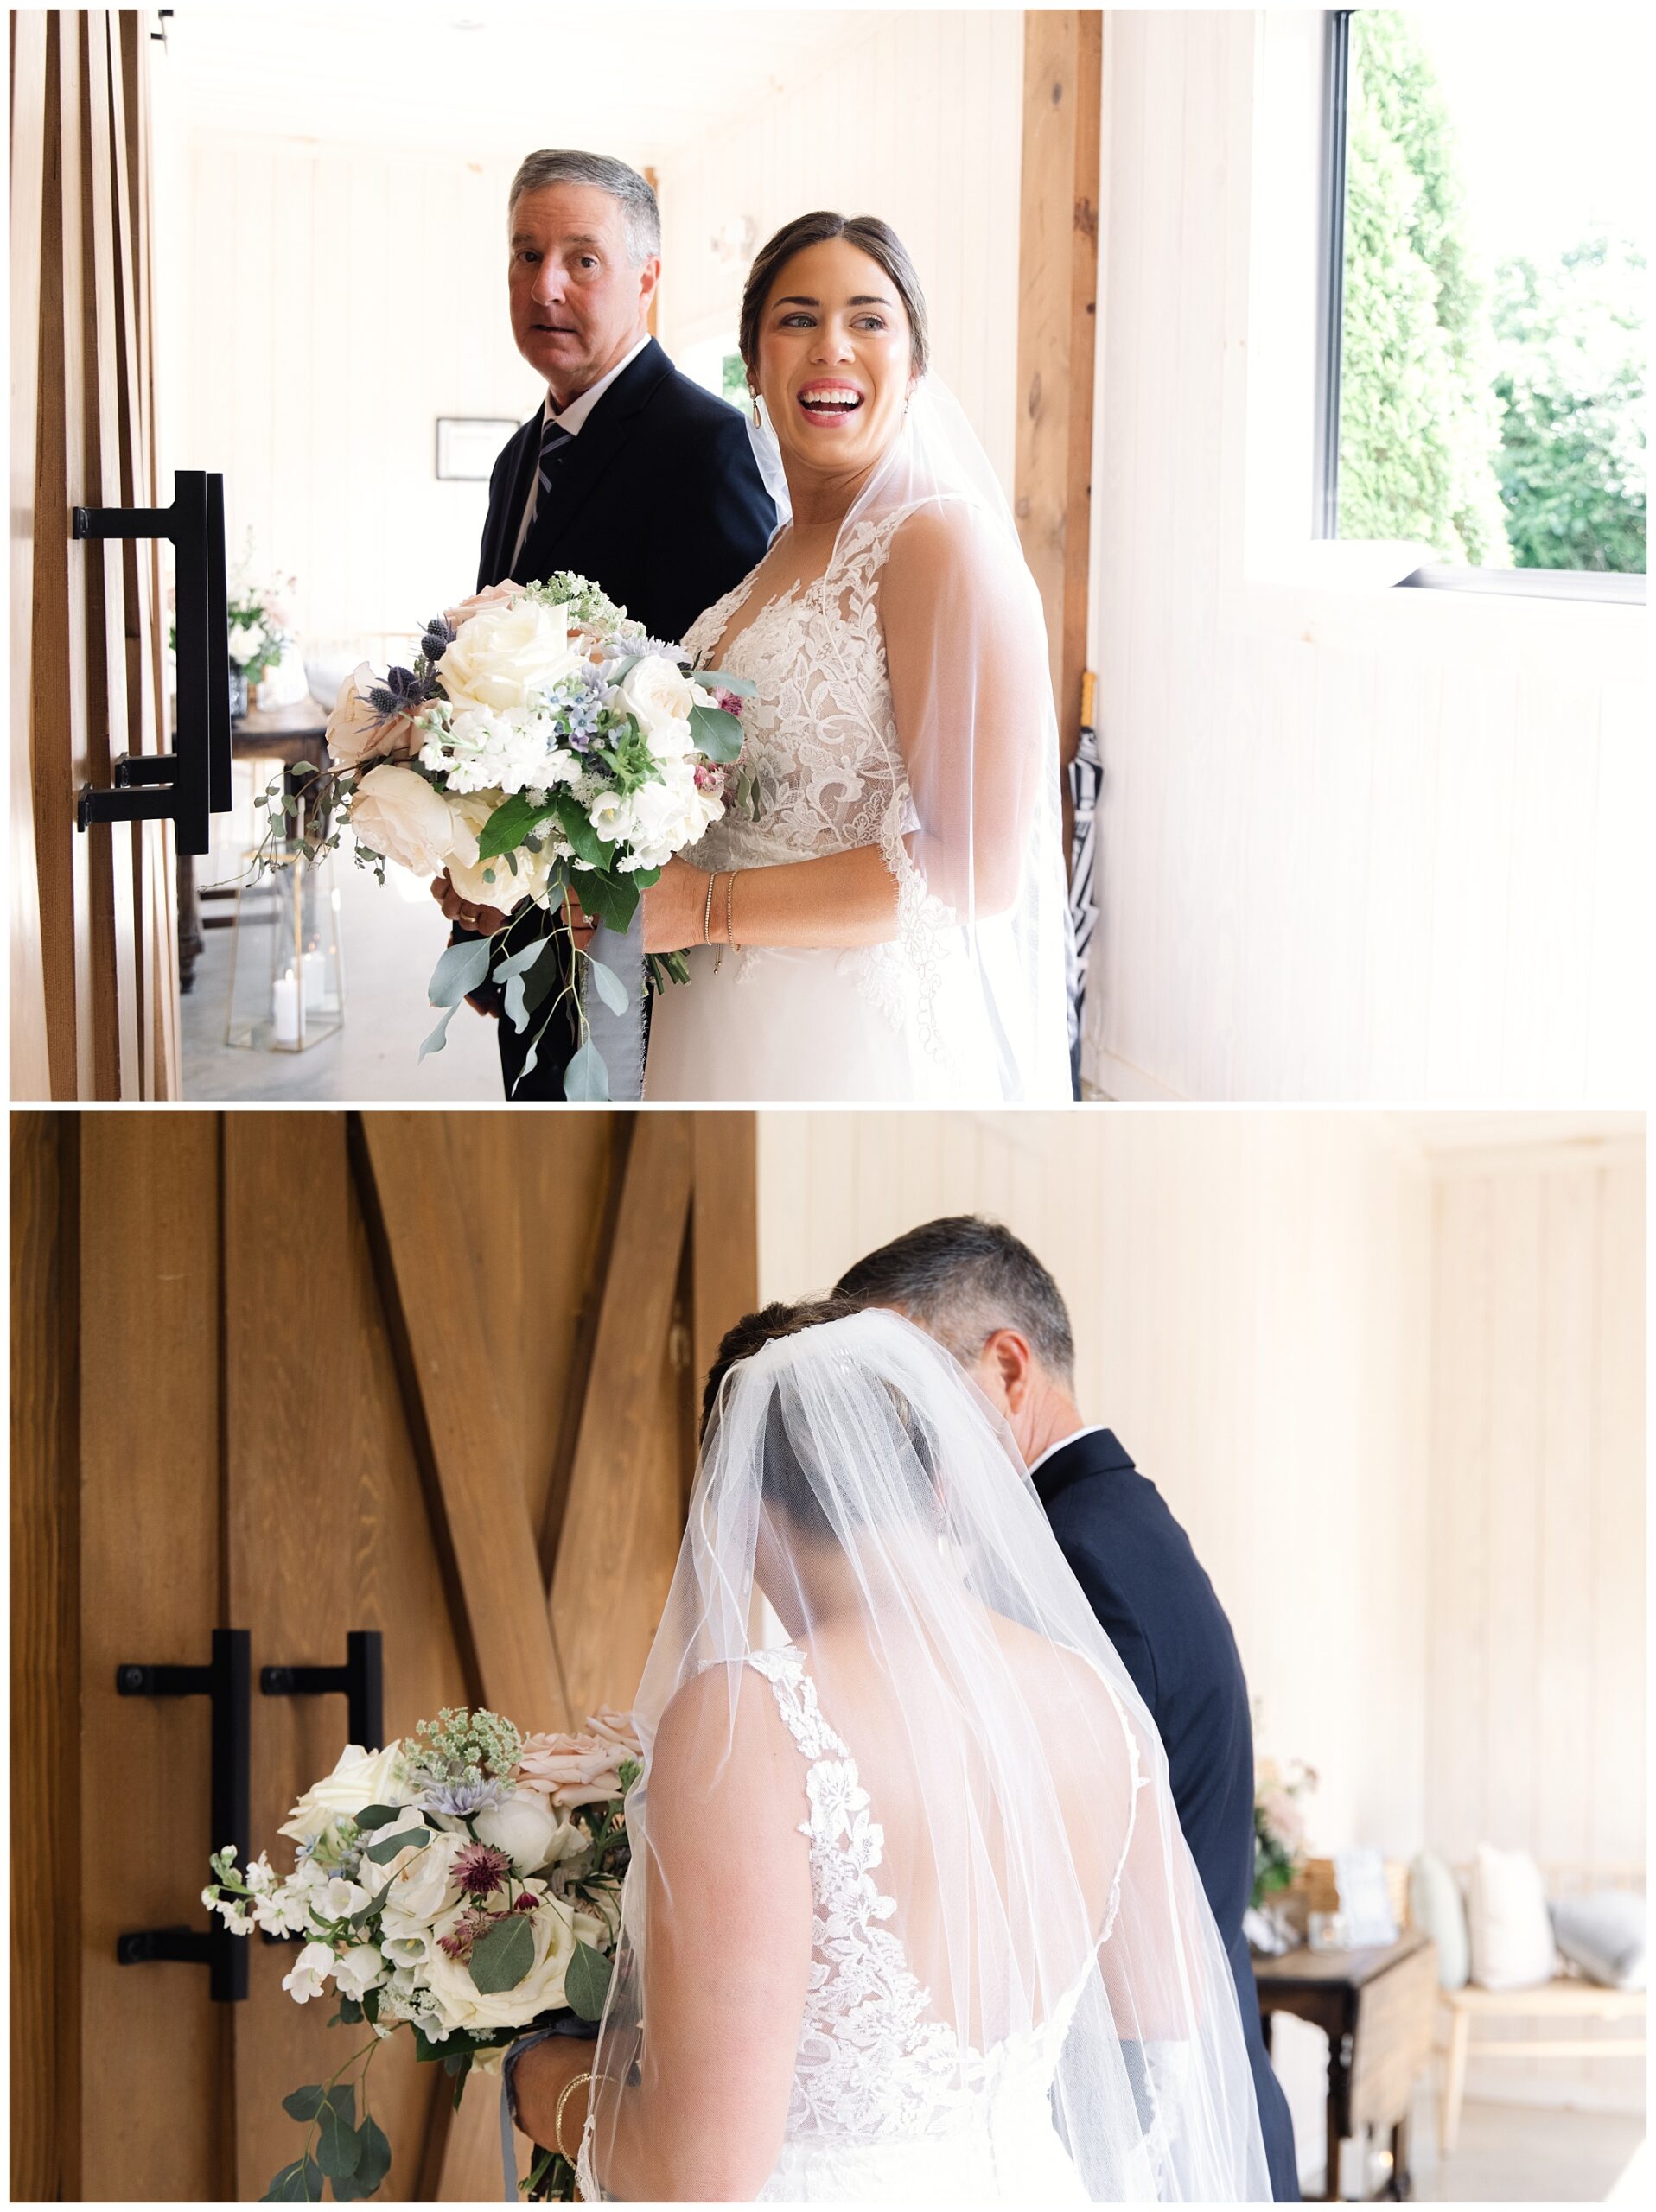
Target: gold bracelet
(730, 910)
(570, 2089)
(707, 911)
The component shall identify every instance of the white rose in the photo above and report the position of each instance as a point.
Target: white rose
(525, 1827)
(462, 2005)
(507, 654)
(310, 1970)
(660, 694)
(530, 877)
(360, 1970)
(247, 639)
(420, 1887)
(361, 1778)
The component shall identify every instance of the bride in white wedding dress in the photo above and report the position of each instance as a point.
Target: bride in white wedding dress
(910, 1918)
(891, 923)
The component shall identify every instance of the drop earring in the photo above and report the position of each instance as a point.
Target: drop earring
(757, 424)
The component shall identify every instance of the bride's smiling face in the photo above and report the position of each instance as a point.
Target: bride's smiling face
(835, 358)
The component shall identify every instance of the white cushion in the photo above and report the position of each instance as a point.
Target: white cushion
(1507, 1920)
(1604, 1935)
(1436, 1907)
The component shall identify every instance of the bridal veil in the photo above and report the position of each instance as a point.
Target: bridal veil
(982, 910)
(1010, 1829)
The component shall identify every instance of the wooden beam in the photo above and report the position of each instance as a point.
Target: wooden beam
(432, 1247)
(725, 1234)
(620, 1527)
(1057, 274)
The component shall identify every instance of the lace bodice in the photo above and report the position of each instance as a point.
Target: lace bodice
(819, 736)
(871, 2065)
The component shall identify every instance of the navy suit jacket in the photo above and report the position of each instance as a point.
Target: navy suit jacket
(1152, 1597)
(659, 500)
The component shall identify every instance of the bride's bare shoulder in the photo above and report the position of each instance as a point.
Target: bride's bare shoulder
(942, 542)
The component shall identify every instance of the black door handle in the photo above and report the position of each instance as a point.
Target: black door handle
(228, 1681)
(192, 782)
(362, 1679)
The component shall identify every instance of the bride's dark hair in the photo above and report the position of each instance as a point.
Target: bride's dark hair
(870, 236)
(788, 1480)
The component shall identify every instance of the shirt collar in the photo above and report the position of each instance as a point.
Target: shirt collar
(1092, 1428)
(578, 410)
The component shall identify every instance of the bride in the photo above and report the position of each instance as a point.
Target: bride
(892, 923)
(910, 1918)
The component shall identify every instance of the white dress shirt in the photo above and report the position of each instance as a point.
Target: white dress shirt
(570, 419)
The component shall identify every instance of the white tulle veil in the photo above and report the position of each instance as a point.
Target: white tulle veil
(983, 909)
(858, 1490)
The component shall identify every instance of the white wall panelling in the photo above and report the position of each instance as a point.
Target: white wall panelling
(1356, 843)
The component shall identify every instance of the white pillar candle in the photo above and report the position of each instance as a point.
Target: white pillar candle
(315, 967)
(285, 1009)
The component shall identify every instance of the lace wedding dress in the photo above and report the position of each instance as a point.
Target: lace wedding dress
(910, 1019)
(887, 2108)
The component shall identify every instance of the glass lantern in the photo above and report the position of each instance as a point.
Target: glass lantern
(287, 977)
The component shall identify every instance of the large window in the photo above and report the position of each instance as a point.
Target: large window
(1485, 339)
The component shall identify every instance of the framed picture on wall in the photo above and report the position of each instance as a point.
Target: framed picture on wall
(468, 444)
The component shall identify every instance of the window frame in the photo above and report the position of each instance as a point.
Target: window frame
(1619, 586)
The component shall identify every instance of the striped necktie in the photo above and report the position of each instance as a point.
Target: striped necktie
(552, 442)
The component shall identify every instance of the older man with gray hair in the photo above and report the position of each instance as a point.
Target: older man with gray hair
(988, 1300)
(627, 472)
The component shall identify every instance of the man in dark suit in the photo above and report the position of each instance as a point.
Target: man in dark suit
(987, 1299)
(628, 474)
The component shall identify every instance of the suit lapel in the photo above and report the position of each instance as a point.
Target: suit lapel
(588, 460)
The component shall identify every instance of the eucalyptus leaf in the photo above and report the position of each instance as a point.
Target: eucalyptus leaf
(378, 1816)
(513, 1001)
(386, 1847)
(715, 734)
(587, 1981)
(349, 2013)
(461, 969)
(299, 2184)
(304, 2104)
(715, 679)
(337, 2147)
(586, 1076)
(439, 1036)
(520, 961)
(609, 986)
(501, 1960)
(373, 2159)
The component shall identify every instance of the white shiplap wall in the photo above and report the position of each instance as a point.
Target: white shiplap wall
(917, 118)
(1355, 843)
(1534, 1723)
(321, 305)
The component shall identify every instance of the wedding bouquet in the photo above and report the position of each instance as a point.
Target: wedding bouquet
(542, 745)
(463, 1884)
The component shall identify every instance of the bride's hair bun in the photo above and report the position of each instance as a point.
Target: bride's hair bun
(869, 235)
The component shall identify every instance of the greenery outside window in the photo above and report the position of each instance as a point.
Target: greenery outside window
(1483, 297)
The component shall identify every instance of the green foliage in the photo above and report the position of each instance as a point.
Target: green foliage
(1570, 377)
(733, 377)
(1418, 416)
(501, 1959)
(587, 1981)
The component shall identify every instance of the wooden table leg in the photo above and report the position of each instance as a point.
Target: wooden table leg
(1339, 2111)
(1402, 2186)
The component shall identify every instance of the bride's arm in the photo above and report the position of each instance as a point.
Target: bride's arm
(847, 897)
(726, 1955)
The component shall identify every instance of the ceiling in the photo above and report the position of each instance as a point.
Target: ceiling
(490, 82)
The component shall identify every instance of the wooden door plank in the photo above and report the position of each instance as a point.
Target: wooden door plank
(31, 1075)
(618, 1537)
(433, 1246)
(46, 1855)
(154, 2045)
(724, 1233)
(1058, 266)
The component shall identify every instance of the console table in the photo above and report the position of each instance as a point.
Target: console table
(284, 734)
(1376, 2007)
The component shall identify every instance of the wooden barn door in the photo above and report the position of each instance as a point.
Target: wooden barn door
(427, 1374)
(93, 958)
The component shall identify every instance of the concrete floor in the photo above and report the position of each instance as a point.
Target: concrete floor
(1517, 2154)
(391, 946)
